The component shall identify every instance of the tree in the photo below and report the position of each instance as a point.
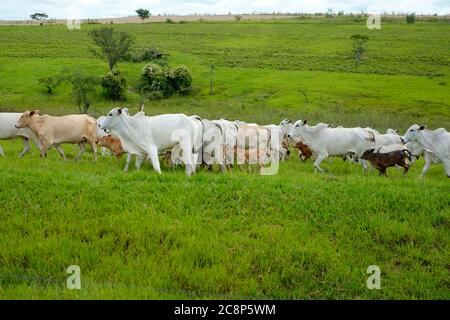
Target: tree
(114, 86)
(143, 13)
(359, 47)
(50, 83)
(39, 16)
(411, 18)
(114, 46)
(82, 85)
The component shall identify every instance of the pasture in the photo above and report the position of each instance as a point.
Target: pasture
(294, 235)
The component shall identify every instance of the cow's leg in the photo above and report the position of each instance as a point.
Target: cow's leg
(139, 162)
(60, 151)
(319, 160)
(153, 155)
(26, 147)
(127, 164)
(45, 145)
(82, 150)
(426, 167)
(188, 157)
(93, 147)
(1, 152)
(103, 151)
(446, 164)
(364, 164)
(405, 168)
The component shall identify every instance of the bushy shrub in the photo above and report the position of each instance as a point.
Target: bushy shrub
(160, 82)
(181, 80)
(114, 86)
(155, 82)
(411, 18)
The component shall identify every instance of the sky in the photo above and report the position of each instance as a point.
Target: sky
(75, 9)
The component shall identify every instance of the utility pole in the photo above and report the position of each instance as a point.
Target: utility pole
(211, 83)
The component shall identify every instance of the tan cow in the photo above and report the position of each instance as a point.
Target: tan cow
(54, 131)
(251, 156)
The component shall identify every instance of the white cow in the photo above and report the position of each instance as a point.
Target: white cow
(436, 145)
(8, 131)
(213, 145)
(229, 135)
(286, 125)
(145, 136)
(392, 131)
(331, 142)
(280, 144)
(386, 139)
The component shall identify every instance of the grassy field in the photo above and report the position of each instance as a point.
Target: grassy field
(295, 235)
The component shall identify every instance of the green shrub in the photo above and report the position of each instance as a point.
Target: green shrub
(160, 82)
(411, 18)
(155, 82)
(181, 80)
(114, 86)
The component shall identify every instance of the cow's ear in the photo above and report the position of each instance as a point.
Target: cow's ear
(32, 113)
(119, 111)
(290, 121)
(421, 127)
(305, 121)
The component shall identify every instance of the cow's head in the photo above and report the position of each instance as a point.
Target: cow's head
(295, 133)
(286, 126)
(367, 154)
(112, 119)
(411, 133)
(104, 141)
(26, 118)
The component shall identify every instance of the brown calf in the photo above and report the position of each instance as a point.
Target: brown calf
(382, 161)
(112, 143)
(304, 151)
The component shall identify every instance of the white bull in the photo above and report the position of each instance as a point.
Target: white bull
(436, 145)
(213, 151)
(8, 131)
(331, 142)
(229, 134)
(145, 136)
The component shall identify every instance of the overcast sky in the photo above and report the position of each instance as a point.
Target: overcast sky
(21, 9)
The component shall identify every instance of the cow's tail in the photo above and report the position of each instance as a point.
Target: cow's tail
(408, 154)
(222, 136)
(371, 137)
(269, 142)
(201, 142)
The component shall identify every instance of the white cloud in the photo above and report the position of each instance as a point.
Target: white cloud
(20, 9)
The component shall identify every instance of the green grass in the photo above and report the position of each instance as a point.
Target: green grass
(295, 235)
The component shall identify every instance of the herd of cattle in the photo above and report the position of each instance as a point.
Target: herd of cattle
(192, 141)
